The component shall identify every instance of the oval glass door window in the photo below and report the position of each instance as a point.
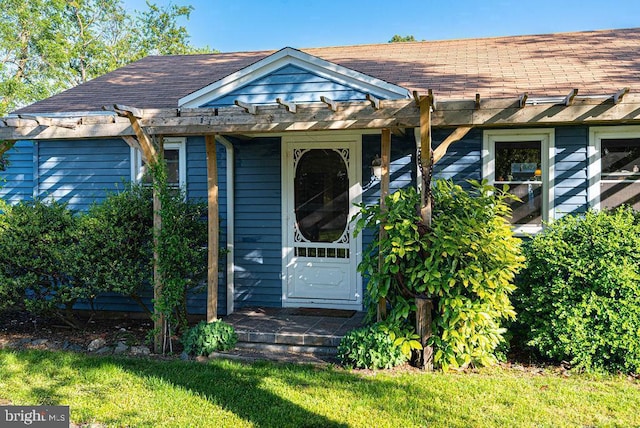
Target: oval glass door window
(321, 195)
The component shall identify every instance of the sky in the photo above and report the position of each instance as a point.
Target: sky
(247, 25)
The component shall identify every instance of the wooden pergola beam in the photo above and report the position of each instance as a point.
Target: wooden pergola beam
(375, 102)
(568, 100)
(333, 106)
(385, 162)
(618, 96)
(351, 116)
(290, 107)
(249, 108)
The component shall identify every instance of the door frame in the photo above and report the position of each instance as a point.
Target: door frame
(287, 175)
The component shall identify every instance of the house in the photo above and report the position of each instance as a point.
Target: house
(283, 143)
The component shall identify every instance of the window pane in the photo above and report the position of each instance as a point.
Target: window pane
(518, 161)
(621, 158)
(518, 164)
(321, 195)
(172, 158)
(623, 193)
(529, 209)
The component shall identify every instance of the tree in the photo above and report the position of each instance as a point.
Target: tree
(399, 39)
(47, 46)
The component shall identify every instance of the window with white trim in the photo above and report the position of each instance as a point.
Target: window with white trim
(523, 161)
(615, 169)
(175, 156)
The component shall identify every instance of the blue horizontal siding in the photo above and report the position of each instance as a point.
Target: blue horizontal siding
(258, 227)
(292, 84)
(16, 182)
(82, 172)
(462, 161)
(570, 164)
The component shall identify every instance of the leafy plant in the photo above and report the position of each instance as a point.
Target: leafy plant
(579, 296)
(205, 338)
(39, 265)
(369, 347)
(465, 263)
(118, 243)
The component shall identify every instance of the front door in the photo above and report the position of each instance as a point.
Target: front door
(321, 184)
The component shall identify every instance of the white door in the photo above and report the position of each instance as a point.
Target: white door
(321, 183)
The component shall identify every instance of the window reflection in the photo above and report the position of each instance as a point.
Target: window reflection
(321, 195)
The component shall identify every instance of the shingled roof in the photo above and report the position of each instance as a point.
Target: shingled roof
(595, 62)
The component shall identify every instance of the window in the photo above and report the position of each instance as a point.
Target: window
(522, 160)
(175, 156)
(615, 167)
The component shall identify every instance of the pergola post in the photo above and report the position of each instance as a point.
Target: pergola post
(213, 228)
(424, 305)
(385, 160)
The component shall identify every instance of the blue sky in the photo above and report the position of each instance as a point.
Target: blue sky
(240, 25)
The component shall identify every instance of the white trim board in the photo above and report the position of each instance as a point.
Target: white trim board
(290, 56)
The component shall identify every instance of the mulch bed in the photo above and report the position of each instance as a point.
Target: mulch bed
(21, 329)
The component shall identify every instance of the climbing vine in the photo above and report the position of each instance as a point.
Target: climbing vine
(181, 251)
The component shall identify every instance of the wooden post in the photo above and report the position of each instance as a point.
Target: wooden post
(159, 323)
(213, 230)
(385, 158)
(424, 309)
(425, 306)
(425, 160)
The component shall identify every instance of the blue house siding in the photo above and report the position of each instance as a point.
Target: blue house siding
(16, 182)
(258, 229)
(463, 159)
(291, 83)
(571, 162)
(82, 172)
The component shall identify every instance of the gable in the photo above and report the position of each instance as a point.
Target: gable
(293, 76)
(292, 84)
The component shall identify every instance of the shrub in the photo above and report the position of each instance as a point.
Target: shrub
(118, 243)
(579, 296)
(369, 347)
(39, 265)
(205, 338)
(466, 264)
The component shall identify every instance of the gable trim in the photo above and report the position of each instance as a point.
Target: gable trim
(286, 56)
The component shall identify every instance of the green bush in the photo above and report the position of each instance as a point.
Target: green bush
(579, 296)
(205, 338)
(466, 264)
(370, 347)
(39, 265)
(118, 243)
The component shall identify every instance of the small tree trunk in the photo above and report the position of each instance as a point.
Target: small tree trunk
(424, 308)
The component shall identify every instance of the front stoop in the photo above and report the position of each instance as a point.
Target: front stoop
(303, 331)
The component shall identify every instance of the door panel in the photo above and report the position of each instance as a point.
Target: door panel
(321, 185)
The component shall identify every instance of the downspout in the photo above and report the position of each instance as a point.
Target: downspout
(230, 222)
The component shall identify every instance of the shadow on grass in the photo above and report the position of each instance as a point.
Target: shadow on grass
(256, 393)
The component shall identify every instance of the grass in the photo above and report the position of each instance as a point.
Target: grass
(147, 393)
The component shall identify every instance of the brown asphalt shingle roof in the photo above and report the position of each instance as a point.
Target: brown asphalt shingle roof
(595, 62)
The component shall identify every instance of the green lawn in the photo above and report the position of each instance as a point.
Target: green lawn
(139, 392)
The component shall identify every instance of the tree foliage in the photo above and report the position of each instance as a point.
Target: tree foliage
(466, 264)
(399, 39)
(47, 46)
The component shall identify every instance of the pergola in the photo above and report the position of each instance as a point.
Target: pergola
(138, 127)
